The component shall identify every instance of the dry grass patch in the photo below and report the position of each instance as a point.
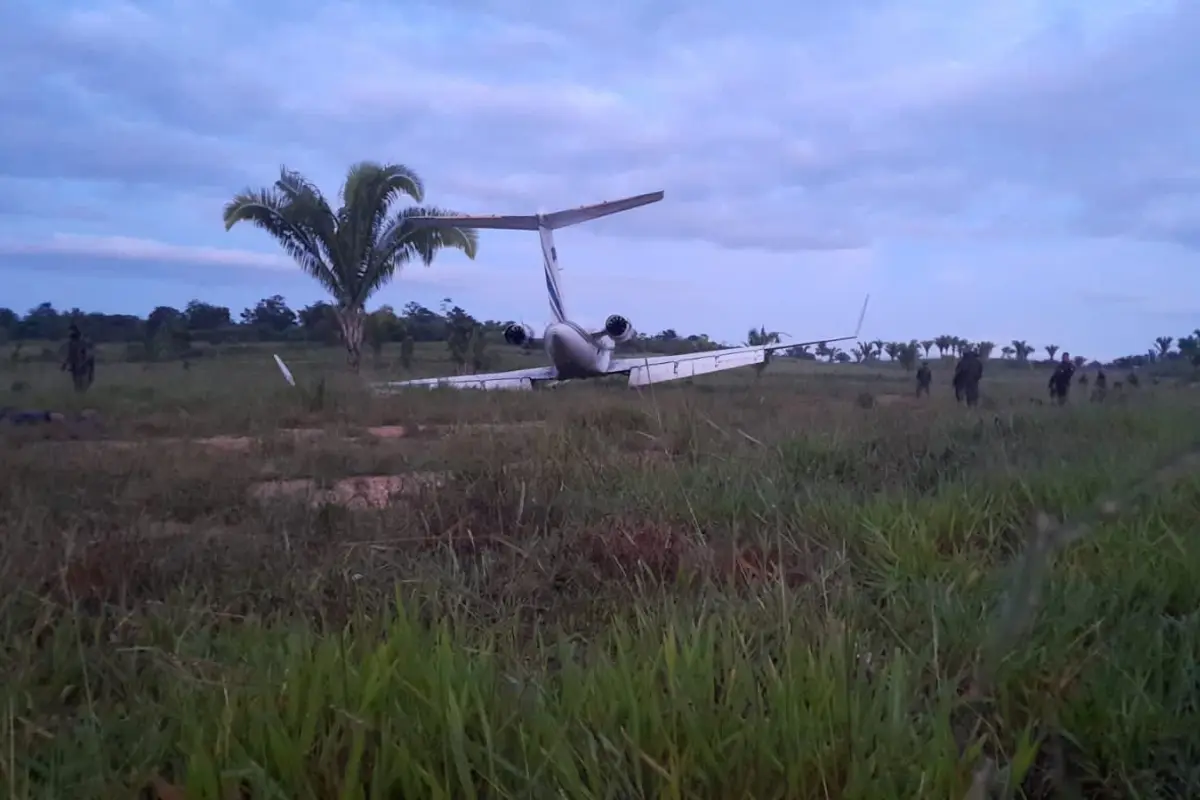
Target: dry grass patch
(358, 492)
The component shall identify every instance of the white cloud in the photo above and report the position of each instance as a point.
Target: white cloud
(897, 130)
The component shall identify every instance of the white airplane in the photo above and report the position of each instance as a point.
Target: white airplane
(574, 351)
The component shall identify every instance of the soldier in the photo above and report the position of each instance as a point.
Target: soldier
(924, 378)
(1060, 380)
(1100, 390)
(967, 374)
(80, 360)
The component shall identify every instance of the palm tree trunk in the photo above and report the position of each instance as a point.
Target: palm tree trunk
(352, 321)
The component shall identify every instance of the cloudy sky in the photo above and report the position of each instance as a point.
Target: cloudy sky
(996, 169)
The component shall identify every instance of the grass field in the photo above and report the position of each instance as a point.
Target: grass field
(736, 589)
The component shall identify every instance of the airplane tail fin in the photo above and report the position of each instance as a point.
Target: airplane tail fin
(545, 225)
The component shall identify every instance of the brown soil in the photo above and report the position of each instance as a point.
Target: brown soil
(241, 444)
(894, 400)
(368, 491)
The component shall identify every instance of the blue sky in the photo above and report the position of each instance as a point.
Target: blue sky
(998, 169)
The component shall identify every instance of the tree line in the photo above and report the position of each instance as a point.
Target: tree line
(167, 332)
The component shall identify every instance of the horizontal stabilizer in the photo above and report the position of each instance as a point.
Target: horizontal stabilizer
(531, 222)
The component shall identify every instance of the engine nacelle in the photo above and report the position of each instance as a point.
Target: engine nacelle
(618, 328)
(518, 335)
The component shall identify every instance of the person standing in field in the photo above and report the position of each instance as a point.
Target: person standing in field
(968, 372)
(1060, 380)
(80, 360)
(924, 378)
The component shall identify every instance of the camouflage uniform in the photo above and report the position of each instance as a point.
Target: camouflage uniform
(80, 361)
(924, 378)
(967, 375)
(1060, 380)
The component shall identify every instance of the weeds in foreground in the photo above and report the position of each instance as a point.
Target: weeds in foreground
(720, 595)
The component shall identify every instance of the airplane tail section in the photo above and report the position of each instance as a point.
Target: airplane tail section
(553, 274)
(545, 225)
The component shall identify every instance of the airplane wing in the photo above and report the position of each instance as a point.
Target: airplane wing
(660, 369)
(516, 380)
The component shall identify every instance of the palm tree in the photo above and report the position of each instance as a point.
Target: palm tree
(927, 345)
(1189, 348)
(1022, 349)
(985, 349)
(761, 336)
(943, 343)
(1007, 352)
(907, 354)
(356, 250)
(1164, 344)
(1051, 349)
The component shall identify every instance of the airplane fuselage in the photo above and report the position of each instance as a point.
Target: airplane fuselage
(575, 353)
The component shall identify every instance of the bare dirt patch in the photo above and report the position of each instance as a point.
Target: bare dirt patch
(358, 492)
(243, 444)
(885, 400)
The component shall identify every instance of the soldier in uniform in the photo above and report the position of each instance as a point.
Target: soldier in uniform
(968, 372)
(924, 378)
(80, 360)
(1060, 380)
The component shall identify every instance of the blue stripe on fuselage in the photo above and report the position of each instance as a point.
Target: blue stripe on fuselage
(556, 306)
(555, 302)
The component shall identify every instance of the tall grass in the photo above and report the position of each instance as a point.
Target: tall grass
(734, 591)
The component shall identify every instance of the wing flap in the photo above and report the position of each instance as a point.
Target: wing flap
(659, 369)
(516, 380)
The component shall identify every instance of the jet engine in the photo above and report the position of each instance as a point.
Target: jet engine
(518, 335)
(618, 328)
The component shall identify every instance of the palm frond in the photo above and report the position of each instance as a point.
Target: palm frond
(368, 194)
(401, 240)
(277, 215)
(404, 239)
(294, 186)
(392, 180)
(311, 205)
